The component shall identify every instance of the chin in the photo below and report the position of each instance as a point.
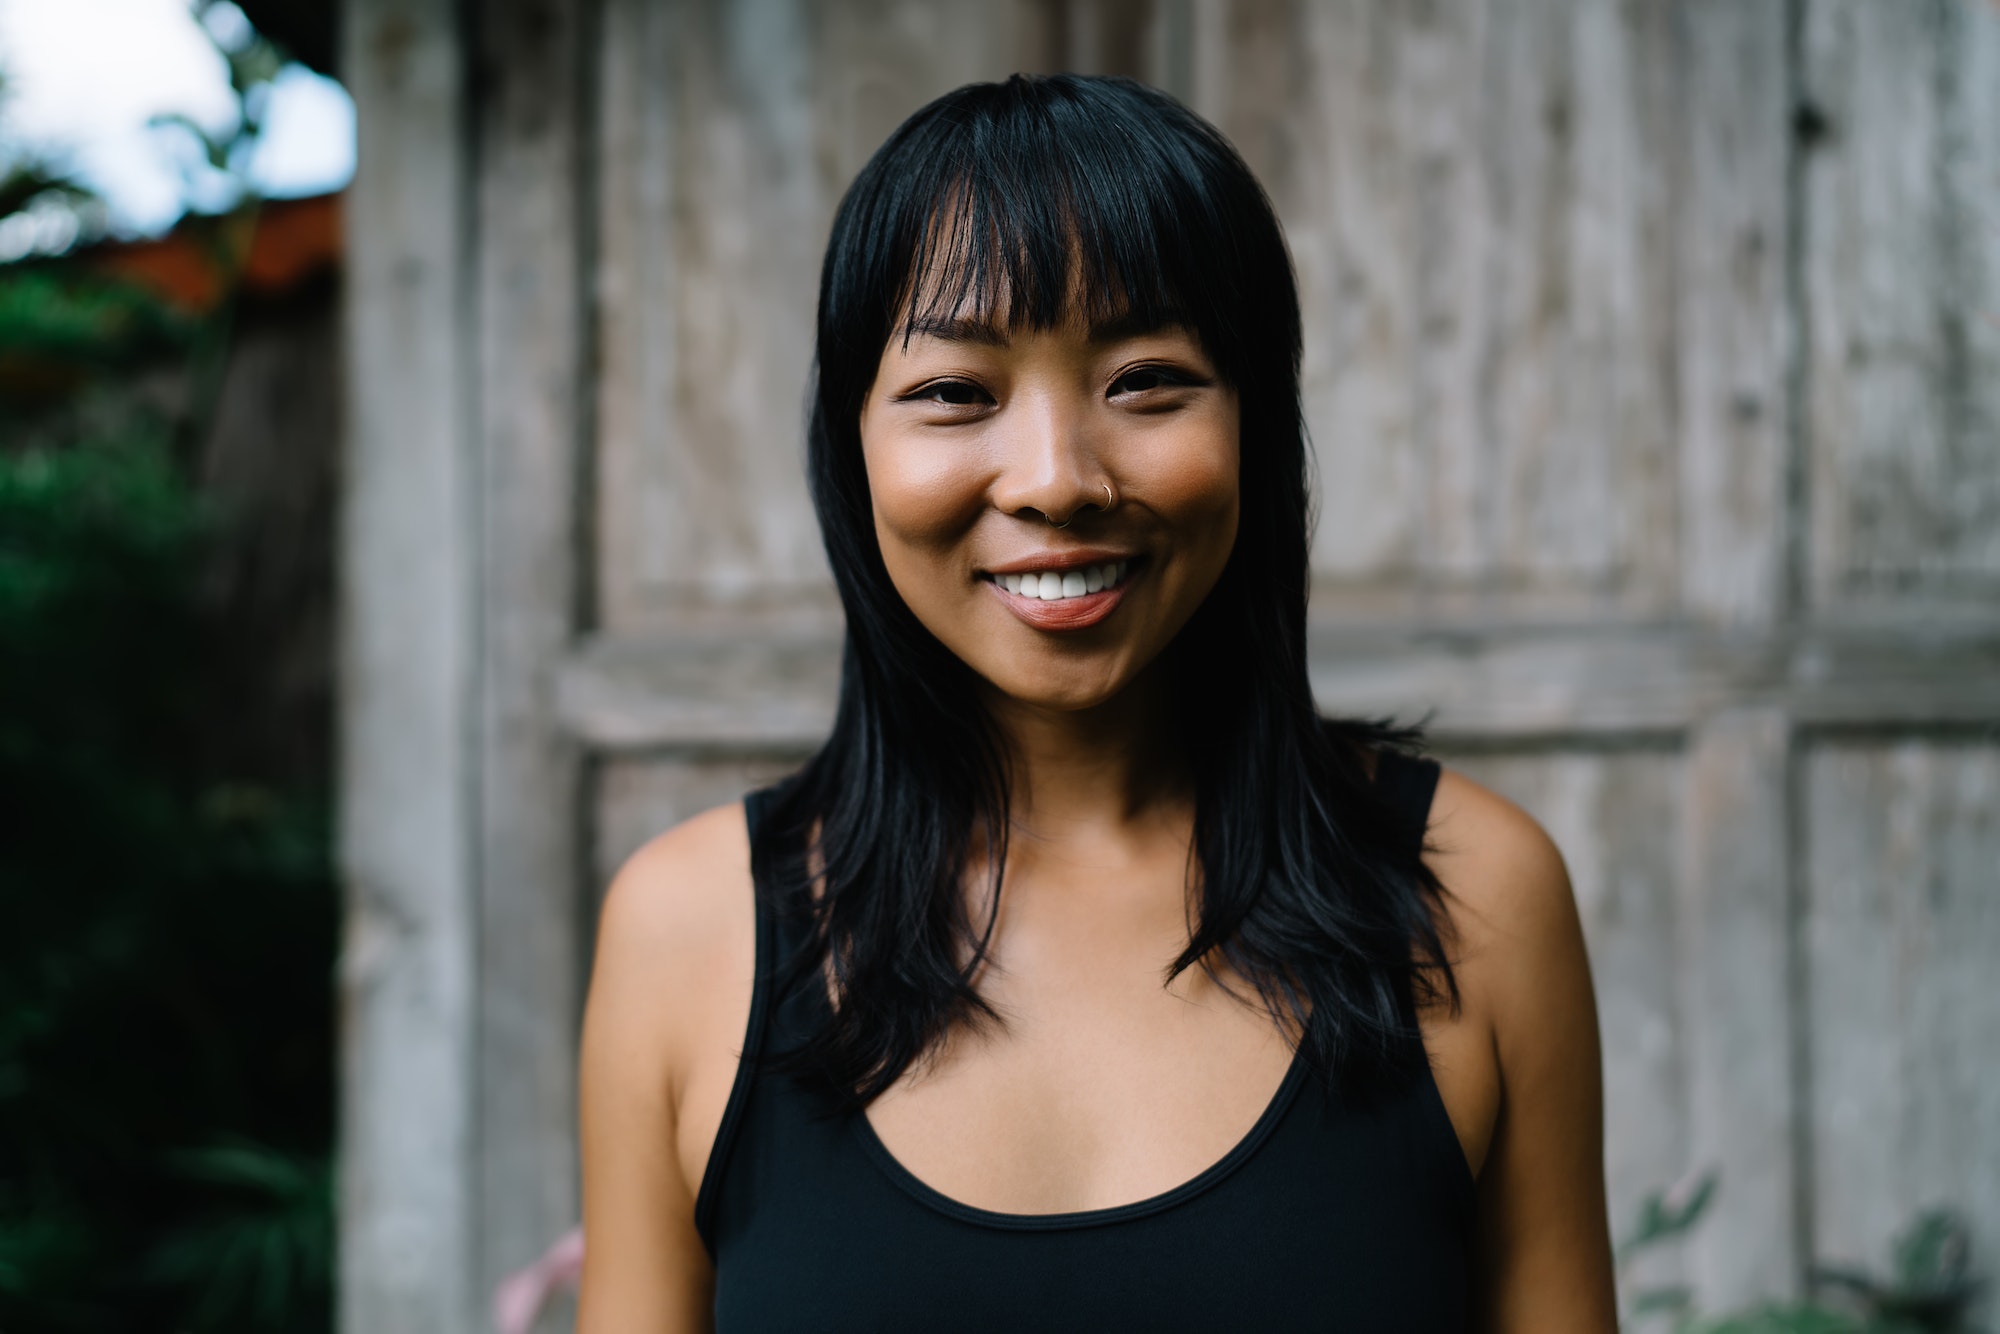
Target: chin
(1058, 687)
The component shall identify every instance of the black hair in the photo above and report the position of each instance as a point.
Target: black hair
(1042, 193)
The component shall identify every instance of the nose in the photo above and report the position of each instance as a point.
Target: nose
(1050, 468)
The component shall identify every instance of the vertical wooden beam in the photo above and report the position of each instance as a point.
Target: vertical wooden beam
(530, 331)
(1732, 346)
(1902, 265)
(408, 575)
(1740, 952)
(1737, 952)
(1903, 927)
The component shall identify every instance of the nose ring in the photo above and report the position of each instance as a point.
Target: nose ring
(1109, 500)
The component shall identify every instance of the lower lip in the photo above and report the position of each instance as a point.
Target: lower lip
(1064, 613)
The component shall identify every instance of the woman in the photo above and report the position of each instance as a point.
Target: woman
(1085, 979)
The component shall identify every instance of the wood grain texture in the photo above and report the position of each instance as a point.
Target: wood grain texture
(1475, 200)
(1731, 338)
(408, 1202)
(1903, 300)
(1735, 946)
(531, 305)
(1902, 929)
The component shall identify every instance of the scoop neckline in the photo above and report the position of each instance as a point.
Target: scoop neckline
(929, 1196)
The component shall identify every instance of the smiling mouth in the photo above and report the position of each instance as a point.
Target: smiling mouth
(1062, 585)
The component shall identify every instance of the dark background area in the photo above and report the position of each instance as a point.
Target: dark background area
(168, 912)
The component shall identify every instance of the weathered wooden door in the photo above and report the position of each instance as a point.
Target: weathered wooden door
(1653, 364)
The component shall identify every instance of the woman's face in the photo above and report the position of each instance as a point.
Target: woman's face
(979, 440)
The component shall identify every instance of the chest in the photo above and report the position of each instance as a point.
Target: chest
(1089, 1096)
(1324, 1217)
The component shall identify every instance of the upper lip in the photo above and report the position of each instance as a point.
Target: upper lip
(1069, 558)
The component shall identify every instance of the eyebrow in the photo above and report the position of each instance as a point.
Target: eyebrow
(968, 329)
(957, 329)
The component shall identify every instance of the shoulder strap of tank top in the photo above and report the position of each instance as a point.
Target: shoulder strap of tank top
(1407, 784)
(763, 983)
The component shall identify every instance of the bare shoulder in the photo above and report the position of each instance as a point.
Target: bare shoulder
(1507, 885)
(1516, 937)
(669, 997)
(677, 941)
(683, 894)
(1533, 1083)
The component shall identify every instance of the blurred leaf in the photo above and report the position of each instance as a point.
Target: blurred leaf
(214, 147)
(1932, 1253)
(1665, 1215)
(264, 1245)
(1930, 1289)
(1662, 1301)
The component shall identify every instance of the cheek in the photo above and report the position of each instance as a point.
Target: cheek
(926, 497)
(1193, 483)
(917, 491)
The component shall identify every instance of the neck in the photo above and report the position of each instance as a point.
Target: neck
(1076, 772)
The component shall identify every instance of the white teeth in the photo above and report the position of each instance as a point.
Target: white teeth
(1051, 586)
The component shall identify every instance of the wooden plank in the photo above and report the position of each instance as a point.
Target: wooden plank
(764, 685)
(1736, 958)
(1487, 286)
(702, 692)
(1903, 288)
(1615, 815)
(1903, 926)
(1331, 152)
(407, 1206)
(1731, 341)
(529, 326)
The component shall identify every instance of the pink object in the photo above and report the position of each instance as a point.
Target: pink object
(523, 1294)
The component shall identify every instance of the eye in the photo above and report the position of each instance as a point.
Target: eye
(1146, 379)
(950, 394)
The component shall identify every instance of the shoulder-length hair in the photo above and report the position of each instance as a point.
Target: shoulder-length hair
(1034, 195)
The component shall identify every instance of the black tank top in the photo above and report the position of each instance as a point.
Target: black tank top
(1326, 1216)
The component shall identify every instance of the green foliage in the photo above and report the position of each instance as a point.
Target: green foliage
(1666, 1215)
(166, 934)
(1929, 1289)
(54, 313)
(167, 921)
(269, 1254)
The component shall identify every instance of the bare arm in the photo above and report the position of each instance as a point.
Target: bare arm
(669, 994)
(1543, 1245)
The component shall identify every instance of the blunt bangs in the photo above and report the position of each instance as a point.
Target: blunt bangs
(1040, 201)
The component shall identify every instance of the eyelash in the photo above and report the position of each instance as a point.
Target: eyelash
(1167, 376)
